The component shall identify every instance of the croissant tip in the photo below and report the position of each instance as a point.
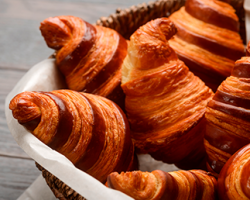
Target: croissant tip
(56, 32)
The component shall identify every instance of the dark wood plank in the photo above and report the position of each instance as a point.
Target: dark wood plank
(17, 170)
(8, 146)
(15, 176)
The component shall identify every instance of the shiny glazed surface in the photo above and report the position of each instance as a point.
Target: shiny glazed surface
(234, 179)
(160, 185)
(208, 39)
(165, 102)
(90, 57)
(90, 130)
(228, 117)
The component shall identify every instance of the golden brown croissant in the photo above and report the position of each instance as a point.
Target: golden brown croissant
(234, 178)
(90, 130)
(90, 57)
(207, 39)
(165, 102)
(181, 185)
(227, 116)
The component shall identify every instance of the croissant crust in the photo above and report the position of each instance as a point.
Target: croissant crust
(91, 131)
(193, 184)
(165, 102)
(207, 39)
(90, 57)
(227, 116)
(233, 181)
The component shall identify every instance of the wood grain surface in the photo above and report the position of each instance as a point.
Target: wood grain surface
(21, 47)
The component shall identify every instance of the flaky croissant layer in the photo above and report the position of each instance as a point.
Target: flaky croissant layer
(160, 185)
(90, 57)
(234, 178)
(90, 130)
(227, 117)
(208, 39)
(165, 102)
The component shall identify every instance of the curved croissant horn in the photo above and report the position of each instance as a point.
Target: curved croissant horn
(165, 102)
(193, 184)
(227, 116)
(90, 57)
(233, 181)
(208, 39)
(91, 131)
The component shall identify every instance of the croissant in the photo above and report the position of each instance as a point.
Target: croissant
(90, 130)
(233, 181)
(90, 57)
(181, 185)
(165, 103)
(207, 39)
(227, 116)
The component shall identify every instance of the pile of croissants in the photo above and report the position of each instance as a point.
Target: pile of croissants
(178, 90)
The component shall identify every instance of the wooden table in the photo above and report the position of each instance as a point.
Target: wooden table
(21, 47)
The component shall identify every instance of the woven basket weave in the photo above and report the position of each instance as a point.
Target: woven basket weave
(126, 22)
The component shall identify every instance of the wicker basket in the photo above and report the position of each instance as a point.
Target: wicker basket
(126, 22)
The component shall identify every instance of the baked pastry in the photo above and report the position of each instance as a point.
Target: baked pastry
(90, 130)
(233, 181)
(165, 103)
(193, 184)
(90, 57)
(227, 116)
(208, 39)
